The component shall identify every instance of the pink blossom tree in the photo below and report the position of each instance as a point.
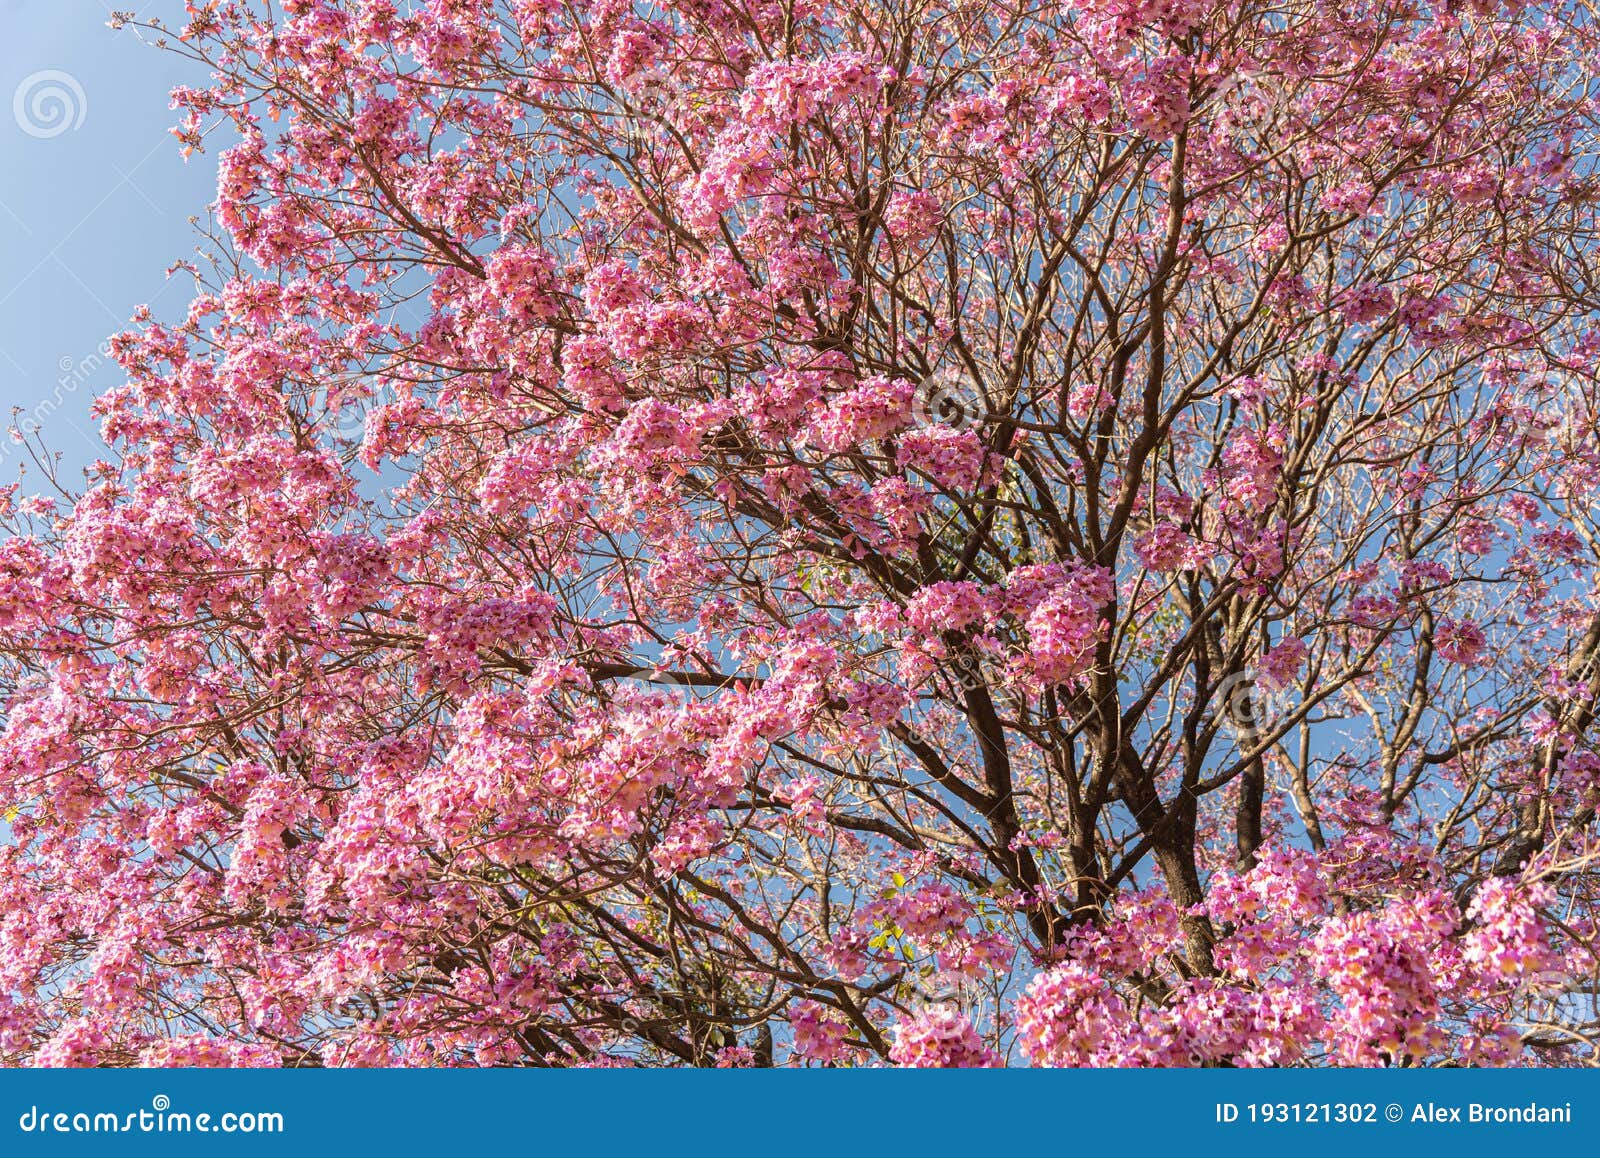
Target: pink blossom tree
(750, 532)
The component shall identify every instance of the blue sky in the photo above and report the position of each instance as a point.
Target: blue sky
(95, 201)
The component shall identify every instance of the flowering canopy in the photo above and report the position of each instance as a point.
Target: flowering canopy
(924, 532)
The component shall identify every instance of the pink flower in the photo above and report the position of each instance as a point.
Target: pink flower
(675, 675)
(522, 279)
(1165, 547)
(1281, 664)
(1064, 628)
(874, 408)
(1460, 641)
(819, 1034)
(1159, 105)
(913, 216)
(940, 1037)
(1476, 537)
(947, 606)
(1070, 1016)
(952, 458)
(1508, 938)
(1368, 302)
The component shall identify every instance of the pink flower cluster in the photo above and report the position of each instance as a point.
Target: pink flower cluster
(940, 1037)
